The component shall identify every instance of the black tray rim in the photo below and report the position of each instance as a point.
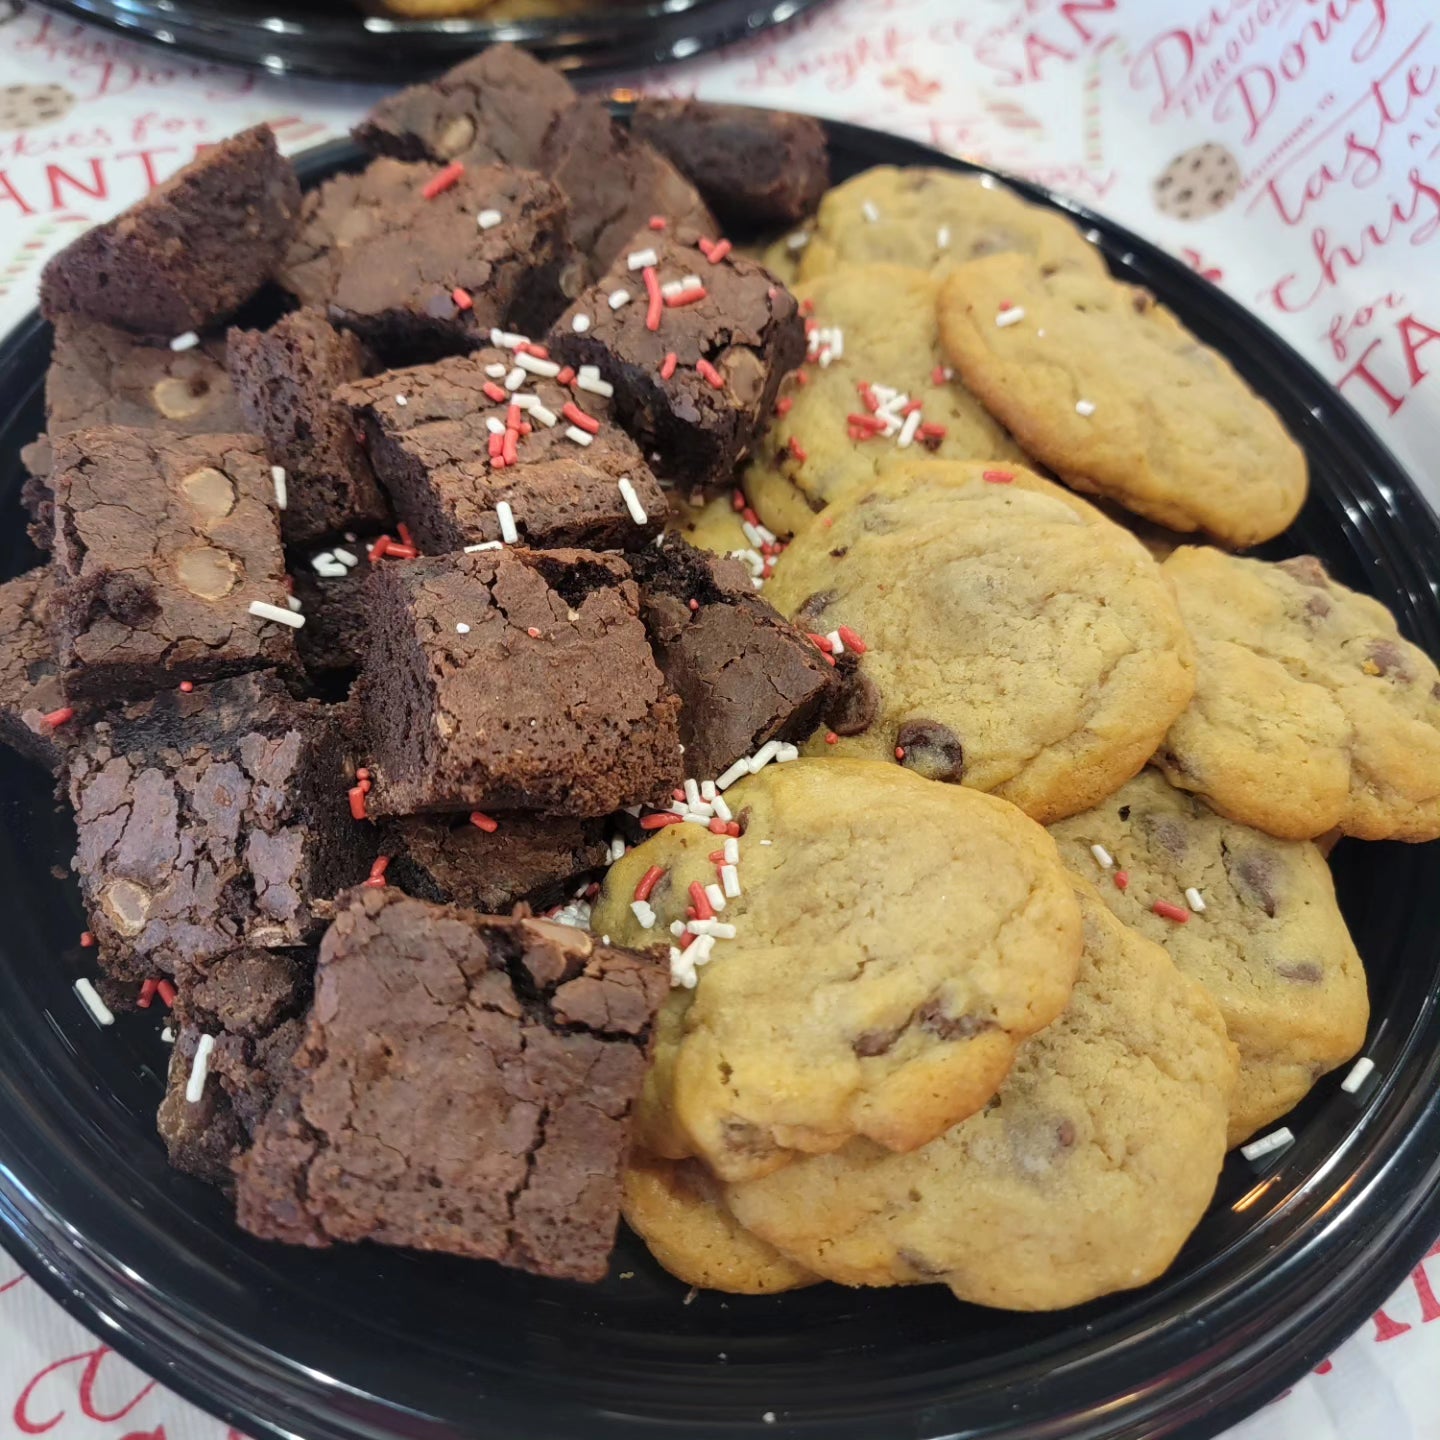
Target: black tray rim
(1262, 1339)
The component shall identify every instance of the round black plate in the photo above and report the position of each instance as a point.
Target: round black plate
(365, 1342)
(336, 40)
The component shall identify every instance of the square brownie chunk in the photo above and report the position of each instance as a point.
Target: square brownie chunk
(744, 674)
(465, 1084)
(530, 859)
(191, 252)
(29, 675)
(437, 437)
(757, 169)
(514, 680)
(733, 332)
(285, 379)
(211, 819)
(410, 269)
(162, 542)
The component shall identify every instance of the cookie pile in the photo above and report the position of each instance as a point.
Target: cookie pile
(563, 698)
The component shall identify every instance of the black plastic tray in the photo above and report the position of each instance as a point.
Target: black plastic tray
(365, 1342)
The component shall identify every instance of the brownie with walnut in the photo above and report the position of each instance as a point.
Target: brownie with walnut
(695, 354)
(212, 819)
(436, 435)
(465, 1084)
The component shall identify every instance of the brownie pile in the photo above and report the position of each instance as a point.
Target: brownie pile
(361, 648)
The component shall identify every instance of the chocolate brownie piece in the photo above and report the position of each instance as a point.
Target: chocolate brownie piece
(530, 859)
(437, 436)
(162, 543)
(514, 680)
(285, 379)
(29, 676)
(695, 355)
(465, 1084)
(411, 269)
(191, 252)
(331, 593)
(756, 168)
(212, 818)
(36, 499)
(744, 674)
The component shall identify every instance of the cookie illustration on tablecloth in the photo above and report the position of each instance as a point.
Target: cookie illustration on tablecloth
(1197, 182)
(26, 107)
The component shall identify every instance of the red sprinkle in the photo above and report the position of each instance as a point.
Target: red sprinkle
(689, 937)
(737, 500)
(686, 297)
(494, 392)
(694, 604)
(657, 222)
(801, 378)
(529, 347)
(380, 548)
(997, 477)
(749, 514)
(733, 828)
(831, 738)
(648, 881)
(709, 374)
(357, 804)
(566, 376)
(507, 446)
(1177, 913)
(186, 686)
(56, 718)
(911, 408)
(678, 793)
(807, 307)
(818, 641)
(166, 991)
(932, 431)
(718, 251)
(512, 417)
(481, 821)
(660, 821)
(851, 639)
(496, 443)
(86, 939)
(798, 450)
(533, 633)
(937, 375)
(462, 299)
(366, 785)
(870, 424)
(667, 366)
(899, 752)
(1122, 879)
(442, 180)
(147, 993)
(811, 326)
(704, 910)
(376, 879)
(401, 552)
(657, 301)
(362, 773)
(404, 531)
(717, 827)
(717, 857)
(576, 416)
(783, 404)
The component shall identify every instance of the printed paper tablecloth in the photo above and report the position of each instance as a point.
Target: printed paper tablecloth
(1287, 149)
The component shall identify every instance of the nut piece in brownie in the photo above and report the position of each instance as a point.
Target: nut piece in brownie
(451, 442)
(465, 1084)
(421, 262)
(285, 378)
(757, 169)
(250, 1004)
(29, 676)
(529, 859)
(191, 252)
(744, 674)
(514, 680)
(503, 106)
(162, 543)
(695, 353)
(210, 819)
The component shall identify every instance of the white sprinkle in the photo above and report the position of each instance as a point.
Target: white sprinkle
(700, 951)
(580, 324)
(617, 849)
(188, 341)
(1267, 1144)
(90, 997)
(643, 913)
(506, 516)
(722, 810)
(724, 782)
(837, 645)
(1360, 1072)
(672, 288)
(195, 1085)
(638, 513)
(515, 379)
(762, 757)
(618, 298)
(262, 610)
(716, 896)
(1085, 408)
(870, 211)
(579, 436)
(168, 1035)
(908, 429)
(677, 928)
(277, 475)
(639, 259)
(401, 400)
(328, 568)
(691, 816)
(730, 880)
(707, 790)
(524, 400)
(461, 628)
(488, 219)
(786, 753)
(768, 1417)
(346, 557)
(716, 928)
(1103, 857)
(947, 372)
(496, 371)
(1013, 316)
(536, 366)
(942, 238)
(692, 791)
(731, 850)
(682, 968)
(485, 545)
(679, 807)
(544, 415)
(494, 425)
(798, 241)
(1040, 333)
(593, 383)
(293, 601)
(753, 560)
(1195, 900)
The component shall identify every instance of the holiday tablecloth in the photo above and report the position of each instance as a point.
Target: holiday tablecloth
(1287, 149)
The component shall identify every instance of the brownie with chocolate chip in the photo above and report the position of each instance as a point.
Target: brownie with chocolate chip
(514, 680)
(191, 252)
(695, 353)
(420, 268)
(161, 544)
(285, 379)
(210, 819)
(743, 673)
(438, 435)
(29, 675)
(535, 860)
(465, 1084)
(756, 168)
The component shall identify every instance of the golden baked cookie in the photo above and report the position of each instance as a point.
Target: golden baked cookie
(1270, 944)
(1083, 1176)
(1016, 641)
(1311, 712)
(894, 943)
(677, 1209)
(1108, 389)
(934, 220)
(888, 356)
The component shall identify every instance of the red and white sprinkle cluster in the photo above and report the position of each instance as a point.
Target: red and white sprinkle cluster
(1166, 909)
(891, 414)
(765, 545)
